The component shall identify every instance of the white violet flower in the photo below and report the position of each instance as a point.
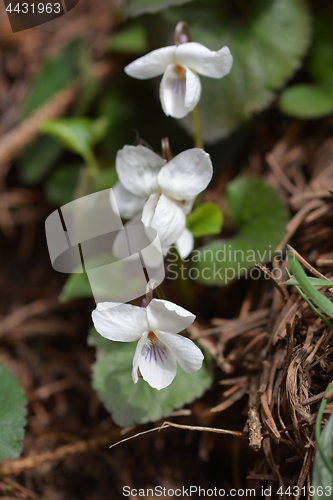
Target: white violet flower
(156, 329)
(164, 191)
(180, 87)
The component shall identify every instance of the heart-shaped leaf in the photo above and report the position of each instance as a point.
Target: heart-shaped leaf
(139, 403)
(306, 101)
(259, 217)
(205, 219)
(12, 415)
(78, 135)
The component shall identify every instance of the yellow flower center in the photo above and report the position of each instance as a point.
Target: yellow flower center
(152, 337)
(180, 71)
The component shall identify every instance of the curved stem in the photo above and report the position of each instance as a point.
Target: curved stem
(198, 142)
(91, 162)
(321, 450)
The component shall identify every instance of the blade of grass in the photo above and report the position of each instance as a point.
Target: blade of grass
(321, 450)
(313, 281)
(319, 300)
(311, 305)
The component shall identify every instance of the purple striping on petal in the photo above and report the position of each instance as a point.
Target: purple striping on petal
(160, 352)
(178, 85)
(152, 351)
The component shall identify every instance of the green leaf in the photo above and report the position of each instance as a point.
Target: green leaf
(260, 219)
(77, 286)
(313, 281)
(61, 185)
(320, 61)
(76, 134)
(55, 75)
(137, 7)
(12, 415)
(38, 159)
(306, 101)
(205, 219)
(139, 403)
(319, 300)
(267, 42)
(321, 476)
(132, 40)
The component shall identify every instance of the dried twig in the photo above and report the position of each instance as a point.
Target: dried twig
(253, 420)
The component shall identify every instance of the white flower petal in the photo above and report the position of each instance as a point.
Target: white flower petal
(189, 202)
(166, 216)
(168, 317)
(137, 355)
(107, 305)
(172, 93)
(186, 175)
(188, 355)
(152, 64)
(123, 323)
(138, 168)
(193, 90)
(158, 366)
(149, 207)
(125, 202)
(185, 243)
(206, 62)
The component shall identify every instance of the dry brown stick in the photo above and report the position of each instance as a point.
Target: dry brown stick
(269, 420)
(296, 221)
(165, 425)
(15, 140)
(253, 420)
(275, 469)
(266, 364)
(231, 400)
(280, 175)
(290, 329)
(23, 134)
(25, 312)
(304, 471)
(22, 464)
(273, 280)
(203, 429)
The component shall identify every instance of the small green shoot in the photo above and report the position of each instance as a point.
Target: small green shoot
(305, 286)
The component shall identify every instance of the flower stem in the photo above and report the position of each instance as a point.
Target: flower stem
(91, 163)
(198, 142)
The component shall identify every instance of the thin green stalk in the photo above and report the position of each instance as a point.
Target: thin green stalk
(84, 185)
(159, 293)
(91, 163)
(324, 457)
(302, 294)
(198, 142)
(183, 285)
